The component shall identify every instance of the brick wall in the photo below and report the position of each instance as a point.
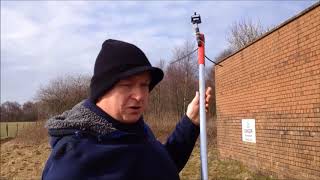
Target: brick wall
(276, 81)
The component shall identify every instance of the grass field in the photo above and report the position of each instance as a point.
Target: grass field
(218, 169)
(11, 129)
(26, 161)
(24, 156)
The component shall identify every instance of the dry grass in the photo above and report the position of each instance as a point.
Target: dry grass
(24, 157)
(21, 161)
(163, 126)
(33, 135)
(218, 169)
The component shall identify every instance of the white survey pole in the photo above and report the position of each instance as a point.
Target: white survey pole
(196, 19)
(203, 129)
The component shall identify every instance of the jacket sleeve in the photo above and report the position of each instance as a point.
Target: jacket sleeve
(181, 142)
(59, 165)
(84, 158)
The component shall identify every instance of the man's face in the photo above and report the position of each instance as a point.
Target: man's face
(127, 100)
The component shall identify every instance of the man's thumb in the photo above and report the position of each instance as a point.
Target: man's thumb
(196, 98)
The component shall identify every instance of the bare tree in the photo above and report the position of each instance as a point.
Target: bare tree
(176, 90)
(30, 111)
(244, 32)
(62, 94)
(11, 111)
(210, 81)
(157, 96)
(223, 54)
(181, 78)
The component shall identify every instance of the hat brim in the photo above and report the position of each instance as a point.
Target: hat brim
(156, 74)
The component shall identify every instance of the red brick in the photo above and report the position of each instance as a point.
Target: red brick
(275, 81)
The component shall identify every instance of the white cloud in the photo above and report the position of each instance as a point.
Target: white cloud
(42, 40)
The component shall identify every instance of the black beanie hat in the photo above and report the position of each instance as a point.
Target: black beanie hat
(118, 60)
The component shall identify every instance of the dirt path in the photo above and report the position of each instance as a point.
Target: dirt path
(20, 161)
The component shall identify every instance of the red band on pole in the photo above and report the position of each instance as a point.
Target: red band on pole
(201, 54)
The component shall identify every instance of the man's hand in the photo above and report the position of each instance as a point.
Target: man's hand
(193, 107)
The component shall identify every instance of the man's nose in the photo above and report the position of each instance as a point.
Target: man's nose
(138, 93)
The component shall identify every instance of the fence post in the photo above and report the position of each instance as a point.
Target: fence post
(7, 129)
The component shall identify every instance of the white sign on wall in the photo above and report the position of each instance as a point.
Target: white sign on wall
(249, 130)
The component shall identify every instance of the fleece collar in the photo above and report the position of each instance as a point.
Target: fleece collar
(81, 118)
(86, 116)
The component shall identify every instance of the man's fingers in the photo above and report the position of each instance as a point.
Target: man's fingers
(196, 98)
(208, 98)
(208, 91)
(207, 106)
(208, 94)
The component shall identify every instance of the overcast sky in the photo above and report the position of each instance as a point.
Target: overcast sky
(43, 40)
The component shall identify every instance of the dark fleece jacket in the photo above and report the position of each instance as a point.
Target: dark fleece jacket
(87, 143)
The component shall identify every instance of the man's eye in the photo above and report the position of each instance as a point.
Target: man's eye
(145, 85)
(125, 85)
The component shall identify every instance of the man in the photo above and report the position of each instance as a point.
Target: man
(105, 136)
